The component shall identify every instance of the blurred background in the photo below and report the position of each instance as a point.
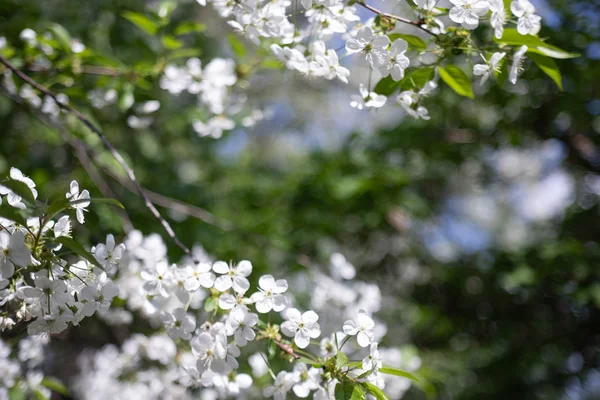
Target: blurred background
(480, 226)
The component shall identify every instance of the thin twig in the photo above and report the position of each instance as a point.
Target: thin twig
(418, 24)
(174, 204)
(109, 146)
(286, 348)
(80, 153)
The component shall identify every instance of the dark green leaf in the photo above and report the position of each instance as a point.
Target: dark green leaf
(457, 80)
(141, 21)
(78, 249)
(19, 188)
(386, 369)
(12, 214)
(387, 86)
(236, 45)
(549, 67)
(414, 42)
(347, 390)
(375, 391)
(534, 44)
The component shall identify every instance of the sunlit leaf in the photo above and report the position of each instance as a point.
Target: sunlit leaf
(141, 21)
(457, 80)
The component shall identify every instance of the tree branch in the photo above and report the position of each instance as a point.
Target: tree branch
(167, 227)
(417, 24)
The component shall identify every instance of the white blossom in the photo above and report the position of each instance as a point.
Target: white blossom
(467, 12)
(269, 297)
(302, 327)
(362, 328)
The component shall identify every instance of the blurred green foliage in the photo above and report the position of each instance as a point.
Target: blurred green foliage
(492, 324)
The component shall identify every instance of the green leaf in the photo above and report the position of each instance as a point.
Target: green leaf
(386, 369)
(341, 359)
(61, 35)
(210, 304)
(188, 27)
(414, 42)
(270, 63)
(347, 390)
(534, 44)
(141, 21)
(78, 249)
(171, 43)
(16, 393)
(309, 362)
(414, 79)
(184, 53)
(38, 395)
(386, 86)
(12, 214)
(457, 80)
(417, 79)
(549, 67)
(237, 46)
(19, 188)
(375, 391)
(126, 99)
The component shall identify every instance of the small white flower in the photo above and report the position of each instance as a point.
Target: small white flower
(207, 350)
(179, 324)
(283, 383)
(62, 227)
(80, 199)
(367, 99)
(374, 360)
(13, 251)
(302, 327)
(51, 294)
(529, 23)
(517, 64)
(199, 275)
(308, 380)
(372, 48)
(157, 279)
(398, 62)
(98, 296)
(362, 327)
(485, 70)
(12, 198)
(426, 4)
(467, 12)
(270, 295)
(239, 324)
(233, 276)
(498, 17)
(109, 255)
(410, 100)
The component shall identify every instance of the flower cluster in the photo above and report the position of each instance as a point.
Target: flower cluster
(203, 312)
(39, 285)
(388, 53)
